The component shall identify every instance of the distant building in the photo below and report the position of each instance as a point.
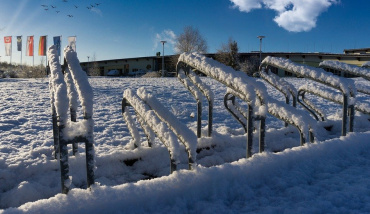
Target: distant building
(128, 66)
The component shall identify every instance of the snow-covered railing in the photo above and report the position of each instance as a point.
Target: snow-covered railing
(346, 87)
(289, 114)
(165, 125)
(196, 87)
(346, 68)
(328, 95)
(252, 92)
(63, 99)
(281, 85)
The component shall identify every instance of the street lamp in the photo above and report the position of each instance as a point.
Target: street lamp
(163, 58)
(260, 37)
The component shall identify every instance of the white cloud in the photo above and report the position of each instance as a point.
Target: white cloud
(292, 15)
(167, 35)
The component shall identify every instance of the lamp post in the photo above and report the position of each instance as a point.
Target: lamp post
(260, 37)
(163, 58)
(88, 64)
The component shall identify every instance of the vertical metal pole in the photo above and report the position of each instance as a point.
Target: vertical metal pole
(262, 134)
(64, 167)
(210, 117)
(351, 112)
(250, 132)
(89, 146)
(199, 118)
(344, 115)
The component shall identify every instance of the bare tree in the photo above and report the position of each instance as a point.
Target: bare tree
(250, 65)
(94, 69)
(229, 54)
(190, 40)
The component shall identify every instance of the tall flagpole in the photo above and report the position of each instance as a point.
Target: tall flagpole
(46, 54)
(11, 48)
(21, 48)
(33, 50)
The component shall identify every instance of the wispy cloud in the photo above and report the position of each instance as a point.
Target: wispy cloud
(97, 11)
(292, 15)
(167, 35)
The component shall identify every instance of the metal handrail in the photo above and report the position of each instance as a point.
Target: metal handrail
(182, 67)
(126, 103)
(299, 70)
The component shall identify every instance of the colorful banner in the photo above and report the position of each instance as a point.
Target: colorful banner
(42, 46)
(57, 43)
(29, 46)
(72, 42)
(19, 43)
(8, 45)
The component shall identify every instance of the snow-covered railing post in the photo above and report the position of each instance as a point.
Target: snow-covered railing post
(345, 86)
(70, 132)
(192, 82)
(164, 124)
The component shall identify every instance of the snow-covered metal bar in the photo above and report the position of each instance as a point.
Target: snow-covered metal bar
(281, 85)
(195, 85)
(249, 90)
(162, 125)
(330, 95)
(346, 87)
(62, 100)
(347, 68)
(183, 133)
(196, 94)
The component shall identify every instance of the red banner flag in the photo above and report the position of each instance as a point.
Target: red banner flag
(8, 45)
(42, 46)
(29, 46)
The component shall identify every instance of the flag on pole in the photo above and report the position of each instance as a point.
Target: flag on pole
(19, 43)
(72, 42)
(29, 46)
(8, 45)
(42, 46)
(57, 43)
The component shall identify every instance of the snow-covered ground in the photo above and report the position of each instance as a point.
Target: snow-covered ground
(329, 176)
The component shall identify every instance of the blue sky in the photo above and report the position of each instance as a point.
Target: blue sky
(133, 28)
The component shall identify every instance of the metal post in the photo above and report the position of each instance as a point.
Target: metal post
(163, 58)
